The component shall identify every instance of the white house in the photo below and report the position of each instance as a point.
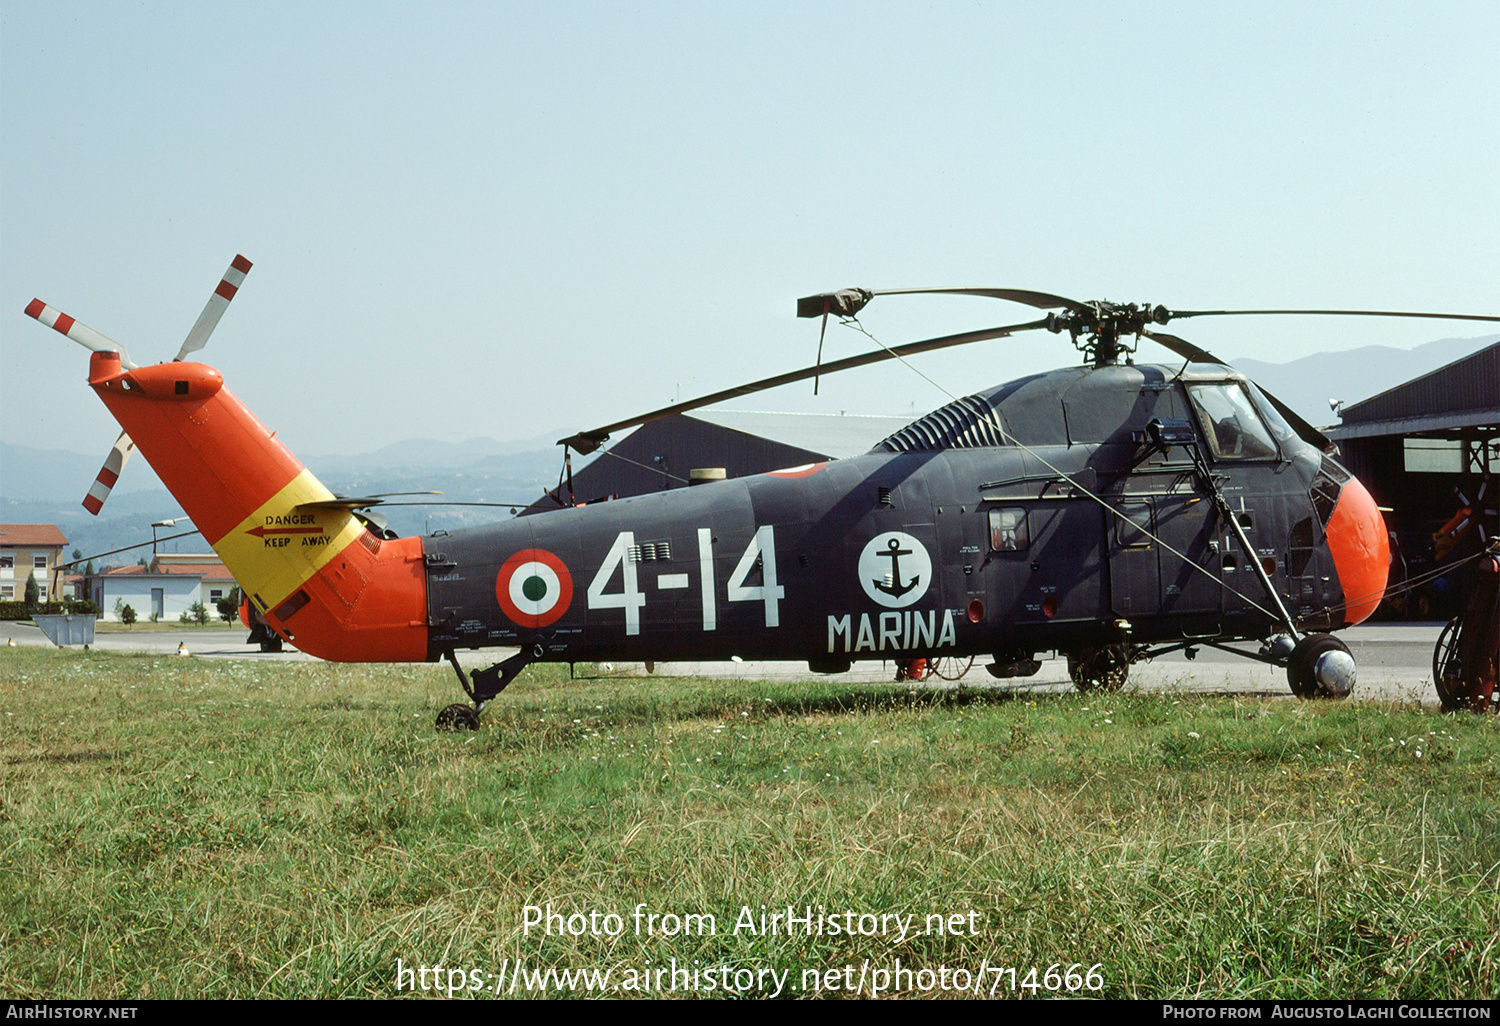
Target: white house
(166, 588)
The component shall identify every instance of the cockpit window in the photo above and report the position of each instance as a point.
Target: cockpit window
(1279, 427)
(1233, 428)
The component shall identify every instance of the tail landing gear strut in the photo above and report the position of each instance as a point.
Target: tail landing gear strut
(487, 684)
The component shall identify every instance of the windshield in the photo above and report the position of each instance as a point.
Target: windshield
(1230, 423)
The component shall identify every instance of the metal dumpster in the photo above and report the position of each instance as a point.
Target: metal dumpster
(69, 629)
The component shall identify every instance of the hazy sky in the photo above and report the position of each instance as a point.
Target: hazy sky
(518, 219)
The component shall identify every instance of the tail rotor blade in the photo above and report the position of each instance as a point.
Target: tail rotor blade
(108, 474)
(84, 335)
(217, 304)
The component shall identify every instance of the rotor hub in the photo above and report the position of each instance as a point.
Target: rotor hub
(1104, 331)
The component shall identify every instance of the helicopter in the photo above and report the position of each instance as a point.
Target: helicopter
(1111, 511)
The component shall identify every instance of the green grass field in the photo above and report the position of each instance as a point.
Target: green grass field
(195, 828)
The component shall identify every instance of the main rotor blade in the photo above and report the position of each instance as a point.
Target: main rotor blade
(125, 548)
(848, 302)
(217, 304)
(1304, 430)
(587, 441)
(80, 333)
(108, 474)
(1336, 313)
(1040, 300)
(1182, 347)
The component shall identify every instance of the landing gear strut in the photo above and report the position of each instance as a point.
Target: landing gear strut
(487, 684)
(1102, 669)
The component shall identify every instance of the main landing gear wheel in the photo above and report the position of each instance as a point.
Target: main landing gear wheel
(1101, 669)
(1320, 666)
(458, 717)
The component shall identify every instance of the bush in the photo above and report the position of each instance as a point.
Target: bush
(127, 615)
(195, 613)
(18, 610)
(229, 606)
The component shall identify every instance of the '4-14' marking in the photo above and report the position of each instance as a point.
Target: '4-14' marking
(762, 547)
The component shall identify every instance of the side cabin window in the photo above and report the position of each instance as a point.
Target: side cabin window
(1229, 421)
(1008, 530)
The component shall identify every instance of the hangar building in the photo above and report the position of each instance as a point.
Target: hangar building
(663, 454)
(1427, 450)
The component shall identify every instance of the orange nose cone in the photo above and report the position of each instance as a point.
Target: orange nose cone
(1361, 551)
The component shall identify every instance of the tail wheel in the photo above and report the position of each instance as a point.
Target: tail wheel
(1099, 669)
(1320, 666)
(949, 668)
(458, 717)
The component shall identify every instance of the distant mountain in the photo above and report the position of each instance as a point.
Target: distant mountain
(47, 486)
(429, 452)
(1307, 384)
(27, 473)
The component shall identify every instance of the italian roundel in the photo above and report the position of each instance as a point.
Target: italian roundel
(534, 588)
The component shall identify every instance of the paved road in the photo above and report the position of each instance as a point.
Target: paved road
(1394, 659)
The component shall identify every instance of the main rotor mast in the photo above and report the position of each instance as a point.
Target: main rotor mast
(1098, 328)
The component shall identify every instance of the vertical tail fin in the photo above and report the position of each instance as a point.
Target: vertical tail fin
(319, 577)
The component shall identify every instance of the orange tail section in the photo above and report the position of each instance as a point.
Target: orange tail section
(318, 576)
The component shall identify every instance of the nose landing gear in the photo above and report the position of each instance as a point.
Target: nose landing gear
(1320, 666)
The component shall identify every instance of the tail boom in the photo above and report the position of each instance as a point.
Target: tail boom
(319, 577)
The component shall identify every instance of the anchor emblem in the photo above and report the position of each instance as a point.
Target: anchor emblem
(894, 569)
(896, 589)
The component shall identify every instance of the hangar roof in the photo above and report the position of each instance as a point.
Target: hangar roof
(1465, 393)
(841, 436)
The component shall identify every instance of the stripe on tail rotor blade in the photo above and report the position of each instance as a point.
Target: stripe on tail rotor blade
(228, 286)
(108, 474)
(85, 336)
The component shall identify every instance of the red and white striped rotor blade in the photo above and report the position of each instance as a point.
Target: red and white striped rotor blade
(217, 304)
(108, 474)
(84, 335)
